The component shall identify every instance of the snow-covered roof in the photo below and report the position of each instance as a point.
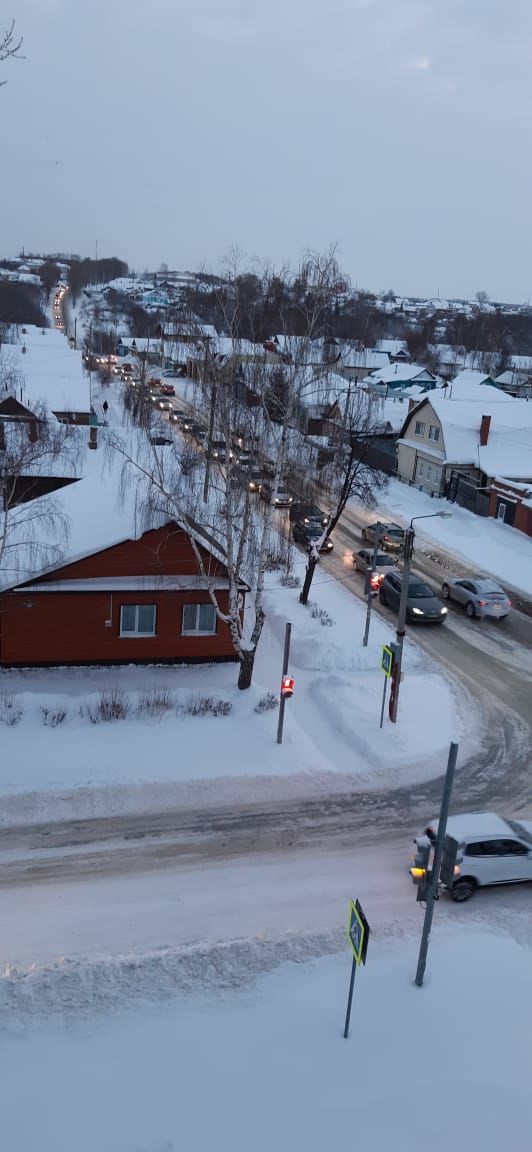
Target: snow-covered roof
(394, 373)
(90, 515)
(48, 370)
(391, 347)
(508, 451)
(369, 359)
(470, 376)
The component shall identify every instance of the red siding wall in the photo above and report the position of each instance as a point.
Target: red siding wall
(70, 628)
(165, 551)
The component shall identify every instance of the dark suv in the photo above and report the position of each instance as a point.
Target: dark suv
(391, 536)
(307, 514)
(422, 605)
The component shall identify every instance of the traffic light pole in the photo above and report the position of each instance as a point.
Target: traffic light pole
(282, 699)
(401, 622)
(369, 591)
(432, 893)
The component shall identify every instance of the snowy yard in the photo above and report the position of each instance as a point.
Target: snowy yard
(260, 1062)
(331, 724)
(483, 542)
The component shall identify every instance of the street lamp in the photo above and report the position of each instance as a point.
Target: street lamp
(401, 622)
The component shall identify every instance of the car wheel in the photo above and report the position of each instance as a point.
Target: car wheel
(462, 890)
(470, 609)
(445, 591)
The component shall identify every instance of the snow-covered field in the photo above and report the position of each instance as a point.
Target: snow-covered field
(483, 542)
(250, 1061)
(331, 724)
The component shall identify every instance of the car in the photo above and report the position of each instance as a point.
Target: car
(161, 440)
(219, 451)
(255, 480)
(491, 850)
(176, 415)
(162, 403)
(199, 434)
(307, 533)
(423, 606)
(307, 513)
(391, 536)
(480, 596)
(167, 389)
(363, 562)
(283, 498)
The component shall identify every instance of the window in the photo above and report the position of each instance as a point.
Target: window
(420, 469)
(434, 433)
(137, 620)
(419, 428)
(429, 472)
(198, 620)
(513, 848)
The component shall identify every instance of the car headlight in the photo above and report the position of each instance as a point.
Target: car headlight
(443, 611)
(417, 611)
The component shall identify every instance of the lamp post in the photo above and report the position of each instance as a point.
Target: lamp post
(401, 621)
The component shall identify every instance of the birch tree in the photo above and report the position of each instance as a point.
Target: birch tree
(234, 396)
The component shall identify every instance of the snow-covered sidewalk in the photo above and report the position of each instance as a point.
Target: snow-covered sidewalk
(331, 725)
(484, 543)
(262, 1063)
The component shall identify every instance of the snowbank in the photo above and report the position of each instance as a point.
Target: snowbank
(267, 1067)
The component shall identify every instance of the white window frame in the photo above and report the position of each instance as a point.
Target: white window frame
(419, 424)
(196, 631)
(136, 635)
(420, 469)
(434, 433)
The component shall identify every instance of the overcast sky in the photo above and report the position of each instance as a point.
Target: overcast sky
(175, 129)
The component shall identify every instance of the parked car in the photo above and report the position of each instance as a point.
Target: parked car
(306, 533)
(283, 498)
(480, 596)
(492, 850)
(391, 536)
(423, 606)
(161, 440)
(307, 513)
(363, 562)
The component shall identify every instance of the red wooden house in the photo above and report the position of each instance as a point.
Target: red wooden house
(136, 598)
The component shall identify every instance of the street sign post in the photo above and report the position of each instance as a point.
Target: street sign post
(358, 935)
(388, 660)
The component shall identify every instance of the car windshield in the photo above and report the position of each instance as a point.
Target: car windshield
(418, 590)
(397, 533)
(384, 561)
(521, 831)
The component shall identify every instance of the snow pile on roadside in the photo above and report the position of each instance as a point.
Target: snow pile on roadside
(267, 1067)
(483, 542)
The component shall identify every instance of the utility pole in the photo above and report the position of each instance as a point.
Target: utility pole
(432, 892)
(369, 596)
(212, 416)
(401, 622)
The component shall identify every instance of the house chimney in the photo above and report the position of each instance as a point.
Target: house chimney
(484, 430)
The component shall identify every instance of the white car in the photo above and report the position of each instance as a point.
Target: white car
(492, 850)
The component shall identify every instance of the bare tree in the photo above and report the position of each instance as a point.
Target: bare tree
(33, 446)
(350, 474)
(10, 45)
(250, 396)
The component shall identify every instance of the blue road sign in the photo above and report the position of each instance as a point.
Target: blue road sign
(387, 658)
